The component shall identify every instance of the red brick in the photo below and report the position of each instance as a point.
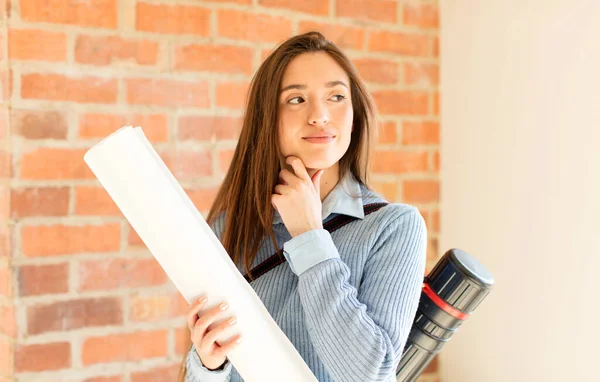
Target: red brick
(216, 58)
(173, 19)
(42, 357)
(397, 102)
(377, 71)
(203, 198)
(39, 201)
(124, 347)
(399, 162)
(387, 133)
(389, 190)
(74, 314)
(4, 202)
(8, 323)
(421, 74)
(253, 27)
(104, 50)
(232, 94)
(5, 164)
(3, 123)
(120, 273)
(434, 225)
(114, 378)
(405, 44)
(43, 279)
(315, 7)
(432, 249)
(56, 87)
(90, 13)
(39, 124)
(209, 128)
(436, 46)
(94, 201)
(134, 240)
(182, 340)
(421, 15)
(341, 35)
(5, 240)
(31, 44)
(5, 85)
(55, 164)
(379, 10)
(6, 358)
(63, 240)
(5, 280)
(169, 93)
(436, 104)
(156, 307)
(420, 133)
(225, 158)
(93, 125)
(421, 191)
(188, 164)
(157, 374)
(436, 161)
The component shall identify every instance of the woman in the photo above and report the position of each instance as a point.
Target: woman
(347, 299)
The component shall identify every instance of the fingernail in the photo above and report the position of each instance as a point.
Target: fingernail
(224, 306)
(232, 320)
(202, 300)
(239, 340)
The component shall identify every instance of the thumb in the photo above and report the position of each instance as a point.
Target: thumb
(316, 179)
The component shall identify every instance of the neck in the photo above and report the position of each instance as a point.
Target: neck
(329, 179)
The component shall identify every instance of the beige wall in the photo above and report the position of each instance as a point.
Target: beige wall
(520, 116)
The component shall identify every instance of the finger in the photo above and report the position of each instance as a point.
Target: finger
(275, 201)
(288, 177)
(192, 312)
(212, 335)
(208, 318)
(225, 349)
(281, 189)
(298, 167)
(316, 179)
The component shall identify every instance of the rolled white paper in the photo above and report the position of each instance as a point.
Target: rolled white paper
(177, 235)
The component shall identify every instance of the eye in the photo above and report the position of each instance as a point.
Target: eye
(338, 97)
(296, 100)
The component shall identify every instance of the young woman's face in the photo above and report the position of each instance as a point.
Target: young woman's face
(315, 110)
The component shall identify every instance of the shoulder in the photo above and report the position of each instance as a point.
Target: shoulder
(392, 212)
(218, 224)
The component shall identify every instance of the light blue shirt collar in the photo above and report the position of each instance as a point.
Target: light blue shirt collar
(340, 200)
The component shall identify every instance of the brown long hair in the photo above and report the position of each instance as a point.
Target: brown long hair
(257, 151)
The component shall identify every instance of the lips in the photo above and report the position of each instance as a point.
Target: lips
(320, 136)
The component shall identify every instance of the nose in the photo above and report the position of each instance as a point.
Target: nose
(318, 115)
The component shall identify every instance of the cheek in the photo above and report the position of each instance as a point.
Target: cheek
(285, 132)
(343, 117)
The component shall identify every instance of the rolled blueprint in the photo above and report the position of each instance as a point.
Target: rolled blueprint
(177, 235)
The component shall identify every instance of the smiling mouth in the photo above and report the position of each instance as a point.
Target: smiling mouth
(324, 139)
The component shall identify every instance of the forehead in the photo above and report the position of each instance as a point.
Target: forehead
(315, 68)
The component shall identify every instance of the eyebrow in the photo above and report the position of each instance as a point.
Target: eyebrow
(329, 84)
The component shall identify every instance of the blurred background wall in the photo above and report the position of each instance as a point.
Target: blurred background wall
(81, 299)
(521, 184)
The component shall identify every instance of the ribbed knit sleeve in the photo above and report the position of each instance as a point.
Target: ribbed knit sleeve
(196, 372)
(359, 334)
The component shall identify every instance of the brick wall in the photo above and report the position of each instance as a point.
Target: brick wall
(88, 302)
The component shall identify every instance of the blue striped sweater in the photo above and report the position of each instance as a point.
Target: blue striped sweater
(346, 300)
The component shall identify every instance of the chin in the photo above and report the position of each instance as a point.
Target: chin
(319, 163)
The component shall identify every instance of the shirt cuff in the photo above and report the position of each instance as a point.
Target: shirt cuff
(201, 373)
(309, 249)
